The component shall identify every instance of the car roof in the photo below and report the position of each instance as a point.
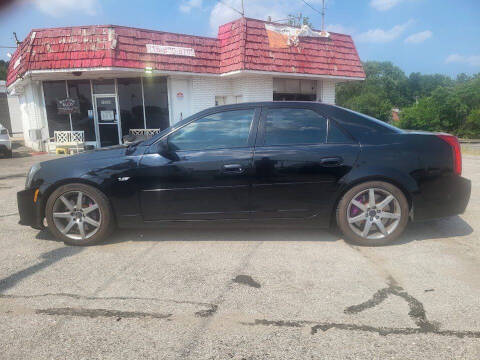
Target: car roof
(269, 103)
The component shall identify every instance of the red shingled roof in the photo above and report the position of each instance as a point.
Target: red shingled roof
(241, 45)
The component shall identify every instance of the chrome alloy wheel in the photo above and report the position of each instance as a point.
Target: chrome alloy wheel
(374, 213)
(76, 215)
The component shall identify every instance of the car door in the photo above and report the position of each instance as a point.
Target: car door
(203, 170)
(300, 157)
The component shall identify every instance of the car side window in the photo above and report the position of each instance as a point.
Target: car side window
(228, 129)
(288, 126)
(336, 135)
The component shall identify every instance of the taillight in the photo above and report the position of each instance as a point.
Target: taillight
(456, 152)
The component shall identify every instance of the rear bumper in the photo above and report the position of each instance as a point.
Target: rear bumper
(446, 196)
(29, 211)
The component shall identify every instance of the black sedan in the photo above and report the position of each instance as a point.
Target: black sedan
(250, 162)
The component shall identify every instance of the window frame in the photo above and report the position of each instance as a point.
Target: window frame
(251, 136)
(261, 137)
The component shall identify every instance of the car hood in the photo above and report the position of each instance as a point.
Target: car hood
(92, 156)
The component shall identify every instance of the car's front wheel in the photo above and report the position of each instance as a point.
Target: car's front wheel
(79, 214)
(373, 213)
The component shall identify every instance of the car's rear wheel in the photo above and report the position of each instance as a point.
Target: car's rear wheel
(79, 214)
(373, 213)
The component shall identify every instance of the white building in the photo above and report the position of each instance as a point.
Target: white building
(123, 78)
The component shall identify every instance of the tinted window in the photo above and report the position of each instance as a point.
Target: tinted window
(131, 104)
(156, 102)
(81, 91)
(229, 129)
(336, 136)
(286, 126)
(54, 91)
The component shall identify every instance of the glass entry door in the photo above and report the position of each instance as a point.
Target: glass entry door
(107, 120)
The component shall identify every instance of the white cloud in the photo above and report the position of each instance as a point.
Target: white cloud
(341, 29)
(383, 5)
(187, 5)
(419, 37)
(58, 8)
(262, 9)
(472, 60)
(383, 36)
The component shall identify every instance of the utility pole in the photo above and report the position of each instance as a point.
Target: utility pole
(323, 15)
(243, 10)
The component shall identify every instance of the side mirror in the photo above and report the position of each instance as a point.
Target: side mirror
(163, 148)
(166, 151)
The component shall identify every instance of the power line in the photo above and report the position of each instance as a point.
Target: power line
(311, 6)
(318, 11)
(8, 47)
(231, 7)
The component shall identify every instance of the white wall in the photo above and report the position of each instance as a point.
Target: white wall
(254, 88)
(33, 113)
(326, 91)
(180, 99)
(15, 115)
(250, 88)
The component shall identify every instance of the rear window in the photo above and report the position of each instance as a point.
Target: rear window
(288, 126)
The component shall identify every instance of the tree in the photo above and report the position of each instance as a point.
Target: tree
(3, 69)
(384, 88)
(299, 20)
(426, 102)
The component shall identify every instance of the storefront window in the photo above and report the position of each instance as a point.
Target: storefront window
(80, 89)
(156, 102)
(131, 104)
(54, 91)
(104, 86)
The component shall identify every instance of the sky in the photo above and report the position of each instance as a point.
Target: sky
(427, 36)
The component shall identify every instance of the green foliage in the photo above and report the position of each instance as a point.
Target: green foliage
(454, 109)
(3, 69)
(426, 102)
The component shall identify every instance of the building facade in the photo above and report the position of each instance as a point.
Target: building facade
(117, 78)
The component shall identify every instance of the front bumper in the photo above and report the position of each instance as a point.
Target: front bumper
(447, 196)
(29, 211)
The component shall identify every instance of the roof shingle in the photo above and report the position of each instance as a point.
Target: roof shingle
(241, 45)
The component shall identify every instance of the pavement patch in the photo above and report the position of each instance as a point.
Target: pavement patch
(246, 280)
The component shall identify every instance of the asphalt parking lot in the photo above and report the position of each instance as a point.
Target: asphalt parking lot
(237, 292)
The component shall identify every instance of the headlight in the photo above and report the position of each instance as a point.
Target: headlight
(31, 173)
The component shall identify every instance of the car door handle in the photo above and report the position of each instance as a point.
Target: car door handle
(233, 169)
(331, 161)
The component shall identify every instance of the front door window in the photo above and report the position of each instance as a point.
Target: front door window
(107, 119)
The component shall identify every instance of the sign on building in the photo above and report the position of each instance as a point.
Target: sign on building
(170, 50)
(68, 106)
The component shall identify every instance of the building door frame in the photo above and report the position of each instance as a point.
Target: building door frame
(95, 112)
(98, 123)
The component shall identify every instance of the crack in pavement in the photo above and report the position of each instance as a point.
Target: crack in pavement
(93, 313)
(86, 297)
(384, 331)
(417, 311)
(188, 348)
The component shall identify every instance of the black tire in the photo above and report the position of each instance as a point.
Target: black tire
(107, 223)
(342, 216)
